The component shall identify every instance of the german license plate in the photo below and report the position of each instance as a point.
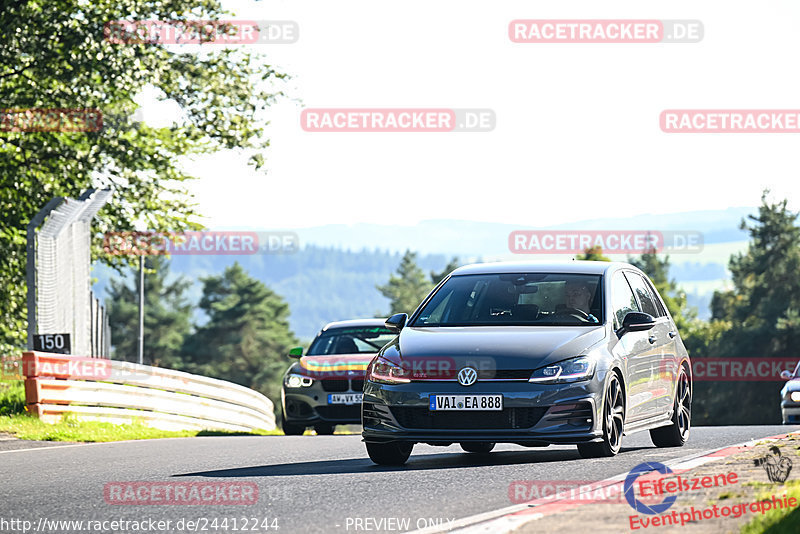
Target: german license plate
(465, 402)
(345, 398)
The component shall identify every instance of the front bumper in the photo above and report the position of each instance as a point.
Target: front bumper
(309, 405)
(533, 414)
(790, 412)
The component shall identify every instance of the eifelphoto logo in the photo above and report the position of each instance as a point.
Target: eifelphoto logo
(200, 243)
(610, 241)
(776, 465)
(224, 32)
(605, 31)
(140, 493)
(64, 120)
(397, 120)
(630, 496)
(730, 121)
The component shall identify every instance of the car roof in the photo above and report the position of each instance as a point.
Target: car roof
(354, 323)
(570, 267)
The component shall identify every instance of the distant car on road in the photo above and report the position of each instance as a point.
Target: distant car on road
(578, 352)
(790, 396)
(323, 388)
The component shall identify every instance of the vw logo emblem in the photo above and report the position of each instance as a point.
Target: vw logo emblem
(467, 376)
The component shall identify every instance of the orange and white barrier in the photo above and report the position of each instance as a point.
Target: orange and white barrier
(120, 392)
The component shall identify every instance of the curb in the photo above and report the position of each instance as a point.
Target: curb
(507, 519)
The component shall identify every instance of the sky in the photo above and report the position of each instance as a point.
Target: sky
(577, 125)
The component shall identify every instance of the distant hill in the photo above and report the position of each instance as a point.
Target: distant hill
(334, 274)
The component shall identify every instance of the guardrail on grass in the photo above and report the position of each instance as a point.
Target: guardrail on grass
(121, 392)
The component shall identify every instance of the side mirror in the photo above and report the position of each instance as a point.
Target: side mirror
(786, 375)
(296, 352)
(396, 322)
(636, 322)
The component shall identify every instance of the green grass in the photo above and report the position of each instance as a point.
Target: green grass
(12, 397)
(70, 429)
(777, 521)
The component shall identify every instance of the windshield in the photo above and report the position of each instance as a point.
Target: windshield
(539, 299)
(358, 340)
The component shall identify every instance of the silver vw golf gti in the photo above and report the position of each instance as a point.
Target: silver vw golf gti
(577, 352)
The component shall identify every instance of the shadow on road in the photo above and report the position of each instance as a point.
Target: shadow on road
(420, 462)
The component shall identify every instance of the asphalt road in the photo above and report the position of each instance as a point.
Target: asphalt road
(307, 483)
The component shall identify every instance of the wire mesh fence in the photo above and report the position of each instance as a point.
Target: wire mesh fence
(59, 275)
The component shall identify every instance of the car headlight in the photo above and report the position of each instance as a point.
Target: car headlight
(382, 370)
(574, 370)
(297, 381)
(795, 396)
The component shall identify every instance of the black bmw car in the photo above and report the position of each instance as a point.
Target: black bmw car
(578, 352)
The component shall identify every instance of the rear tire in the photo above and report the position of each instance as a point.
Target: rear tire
(325, 430)
(613, 423)
(394, 453)
(291, 429)
(676, 434)
(478, 447)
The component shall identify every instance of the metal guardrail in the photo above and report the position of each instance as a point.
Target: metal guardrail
(120, 392)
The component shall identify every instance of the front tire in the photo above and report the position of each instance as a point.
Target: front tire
(393, 453)
(325, 430)
(676, 434)
(478, 447)
(291, 429)
(613, 423)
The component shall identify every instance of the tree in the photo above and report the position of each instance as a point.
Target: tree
(167, 315)
(451, 266)
(408, 288)
(758, 317)
(593, 254)
(55, 55)
(247, 335)
(657, 269)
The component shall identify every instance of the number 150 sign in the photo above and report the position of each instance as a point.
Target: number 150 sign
(59, 343)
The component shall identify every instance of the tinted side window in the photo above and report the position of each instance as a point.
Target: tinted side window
(622, 299)
(646, 298)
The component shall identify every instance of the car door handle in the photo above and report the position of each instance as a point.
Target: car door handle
(651, 339)
(673, 334)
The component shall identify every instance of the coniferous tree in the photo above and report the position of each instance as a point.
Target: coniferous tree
(247, 335)
(167, 315)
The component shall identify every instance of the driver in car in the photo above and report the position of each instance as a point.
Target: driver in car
(579, 297)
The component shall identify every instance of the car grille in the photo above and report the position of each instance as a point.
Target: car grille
(335, 384)
(340, 413)
(508, 418)
(357, 385)
(505, 374)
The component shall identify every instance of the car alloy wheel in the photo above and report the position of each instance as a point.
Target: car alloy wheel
(613, 423)
(677, 433)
